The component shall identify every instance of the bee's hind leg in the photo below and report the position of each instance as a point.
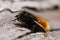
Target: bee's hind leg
(34, 29)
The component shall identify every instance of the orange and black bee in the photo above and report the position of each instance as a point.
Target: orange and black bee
(34, 23)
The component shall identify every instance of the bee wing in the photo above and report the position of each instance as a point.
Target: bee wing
(41, 27)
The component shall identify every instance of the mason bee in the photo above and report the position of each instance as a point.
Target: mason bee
(32, 22)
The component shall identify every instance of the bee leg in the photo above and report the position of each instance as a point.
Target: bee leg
(13, 19)
(34, 29)
(23, 24)
(46, 34)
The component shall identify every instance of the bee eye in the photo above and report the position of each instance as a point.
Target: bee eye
(16, 16)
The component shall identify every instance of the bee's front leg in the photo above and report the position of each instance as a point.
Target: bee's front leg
(21, 24)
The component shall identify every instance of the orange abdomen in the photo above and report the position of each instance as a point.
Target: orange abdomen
(43, 22)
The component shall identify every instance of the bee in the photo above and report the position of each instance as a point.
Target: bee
(32, 22)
